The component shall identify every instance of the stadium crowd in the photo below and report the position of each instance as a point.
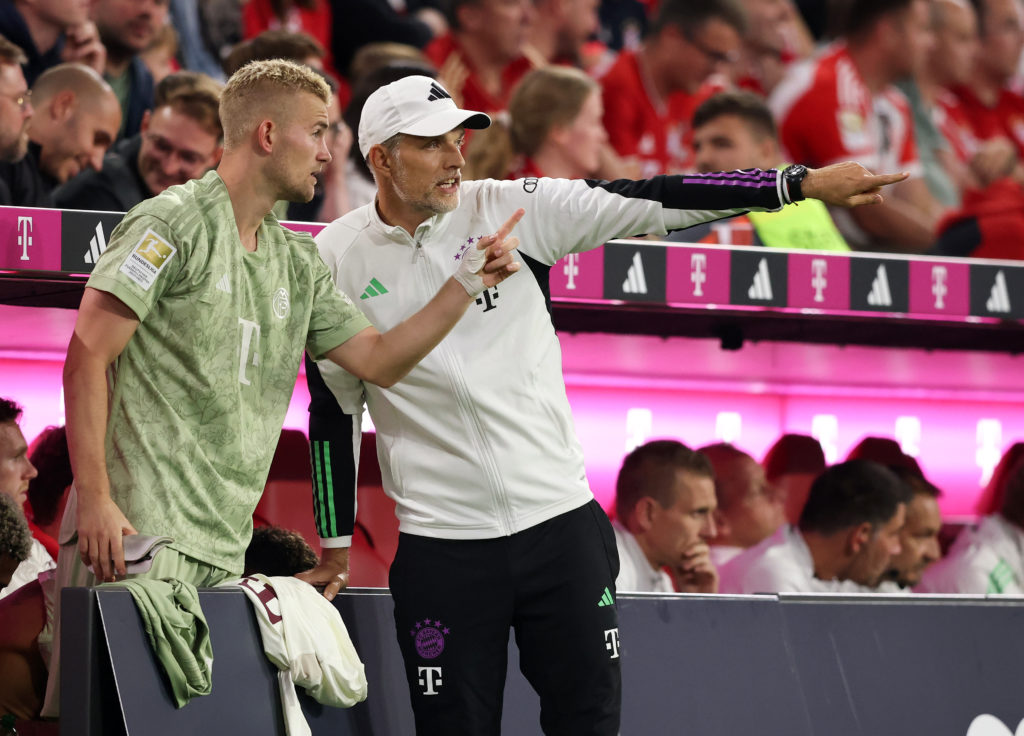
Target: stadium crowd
(582, 88)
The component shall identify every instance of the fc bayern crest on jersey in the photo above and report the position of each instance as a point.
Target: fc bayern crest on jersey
(429, 637)
(466, 245)
(281, 303)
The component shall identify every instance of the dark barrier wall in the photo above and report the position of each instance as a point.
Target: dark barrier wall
(703, 666)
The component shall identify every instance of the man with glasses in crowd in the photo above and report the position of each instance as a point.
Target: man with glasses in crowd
(180, 139)
(650, 94)
(15, 111)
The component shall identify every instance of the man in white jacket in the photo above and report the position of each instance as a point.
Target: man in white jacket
(16, 470)
(499, 528)
(664, 509)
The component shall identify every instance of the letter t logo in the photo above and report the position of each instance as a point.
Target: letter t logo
(611, 642)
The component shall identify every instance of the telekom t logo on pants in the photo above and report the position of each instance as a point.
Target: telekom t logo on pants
(611, 642)
(430, 679)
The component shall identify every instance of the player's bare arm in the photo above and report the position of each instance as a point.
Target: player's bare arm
(102, 330)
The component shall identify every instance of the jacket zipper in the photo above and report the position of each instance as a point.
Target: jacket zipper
(464, 397)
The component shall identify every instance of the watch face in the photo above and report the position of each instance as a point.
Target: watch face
(796, 172)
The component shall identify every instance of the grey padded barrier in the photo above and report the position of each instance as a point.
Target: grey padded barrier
(694, 665)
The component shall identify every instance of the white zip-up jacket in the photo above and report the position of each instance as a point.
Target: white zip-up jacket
(478, 441)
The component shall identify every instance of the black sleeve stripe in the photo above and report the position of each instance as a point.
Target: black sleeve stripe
(751, 188)
(542, 273)
(334, 455)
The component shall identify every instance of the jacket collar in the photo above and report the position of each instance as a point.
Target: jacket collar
(426, 231)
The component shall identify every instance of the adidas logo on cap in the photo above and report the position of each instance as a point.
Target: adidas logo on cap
(437, 92)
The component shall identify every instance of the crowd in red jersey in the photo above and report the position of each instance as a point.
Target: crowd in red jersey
(931, 87)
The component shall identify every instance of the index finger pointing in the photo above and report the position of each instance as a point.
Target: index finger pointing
(510, 223)
(882, 180)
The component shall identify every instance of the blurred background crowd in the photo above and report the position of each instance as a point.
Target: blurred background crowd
(106, 102)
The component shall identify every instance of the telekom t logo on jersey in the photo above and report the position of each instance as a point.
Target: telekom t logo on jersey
(250, 346)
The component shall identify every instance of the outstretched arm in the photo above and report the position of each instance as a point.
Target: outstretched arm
(384, 358)
(102, 330)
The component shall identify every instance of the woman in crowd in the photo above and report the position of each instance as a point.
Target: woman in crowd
(553, 128)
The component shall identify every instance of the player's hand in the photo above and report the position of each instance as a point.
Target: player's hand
(82, 45)
(847, 184)
(100, 528)
(695, 573)
(491, 262)
(331, 573)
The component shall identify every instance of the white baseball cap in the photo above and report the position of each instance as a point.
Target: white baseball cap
(415, 105)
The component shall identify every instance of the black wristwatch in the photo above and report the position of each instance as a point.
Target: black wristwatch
(794, 176)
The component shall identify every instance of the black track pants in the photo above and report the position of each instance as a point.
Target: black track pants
(553, 584)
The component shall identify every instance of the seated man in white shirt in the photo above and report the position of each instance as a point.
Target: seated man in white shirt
(750, 508)
(987, 558)
(664, 501)
(848, 532)
(919, 538)
(16, 470)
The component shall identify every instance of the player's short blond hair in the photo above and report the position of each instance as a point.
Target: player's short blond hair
(256, 91)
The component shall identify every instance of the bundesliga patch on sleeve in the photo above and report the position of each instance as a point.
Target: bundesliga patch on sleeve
(147, 259)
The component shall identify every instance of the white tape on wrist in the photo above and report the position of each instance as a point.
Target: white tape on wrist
(468, 273)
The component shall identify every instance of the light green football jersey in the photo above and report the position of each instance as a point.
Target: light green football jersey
(199, 394)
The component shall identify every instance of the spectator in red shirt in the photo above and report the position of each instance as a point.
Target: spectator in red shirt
(312, 17)
(776, 37)
(560, 30)
(553, 129)
(482, 57)
(991, 107)
(650, 94)
(842, 105)
(955, 159)
(980, 157)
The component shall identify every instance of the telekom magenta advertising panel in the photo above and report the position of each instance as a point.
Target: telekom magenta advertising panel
(940, 289)
(31, 238)
(818, 281)
(579, 276)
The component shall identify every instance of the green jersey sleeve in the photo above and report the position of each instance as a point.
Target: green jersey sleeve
(143, 261)
(334, 318)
